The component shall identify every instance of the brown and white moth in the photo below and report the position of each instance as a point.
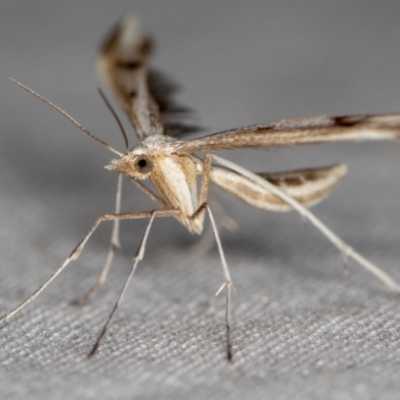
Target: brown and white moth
(173, 165)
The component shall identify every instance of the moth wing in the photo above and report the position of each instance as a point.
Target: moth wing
(123, 64)
(307, 186)
(300, 131)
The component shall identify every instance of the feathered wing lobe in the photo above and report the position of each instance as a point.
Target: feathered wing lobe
(300, 131)
(123, 63)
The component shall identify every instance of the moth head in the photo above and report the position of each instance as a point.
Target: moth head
(136, 164)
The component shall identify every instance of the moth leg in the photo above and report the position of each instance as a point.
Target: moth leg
(227, 284)
(78, 250)
(205, 184)
(199, 213)
(343, 247)
(138, 256)
(148, 192)
(114, 244)
(204, 245)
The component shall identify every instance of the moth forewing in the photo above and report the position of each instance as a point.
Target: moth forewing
(320, 129)
(123, 64)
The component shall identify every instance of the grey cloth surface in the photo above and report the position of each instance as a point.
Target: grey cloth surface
(301, 329)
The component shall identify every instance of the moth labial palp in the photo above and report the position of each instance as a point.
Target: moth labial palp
(173, 165)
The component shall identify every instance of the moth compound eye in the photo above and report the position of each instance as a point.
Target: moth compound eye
(143, 165)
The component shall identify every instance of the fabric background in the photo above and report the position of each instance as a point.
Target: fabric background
(301, 329)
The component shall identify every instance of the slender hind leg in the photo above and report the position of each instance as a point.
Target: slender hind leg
(227, 278)
(206, 243)
(344, 248)
(227, 283)
(199, 213)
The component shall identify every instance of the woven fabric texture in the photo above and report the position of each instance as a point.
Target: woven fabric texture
(302, 329)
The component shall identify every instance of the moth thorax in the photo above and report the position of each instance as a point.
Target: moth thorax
(175, 179)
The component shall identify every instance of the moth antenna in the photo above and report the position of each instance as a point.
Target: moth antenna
(115, 115)
(61, 111)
